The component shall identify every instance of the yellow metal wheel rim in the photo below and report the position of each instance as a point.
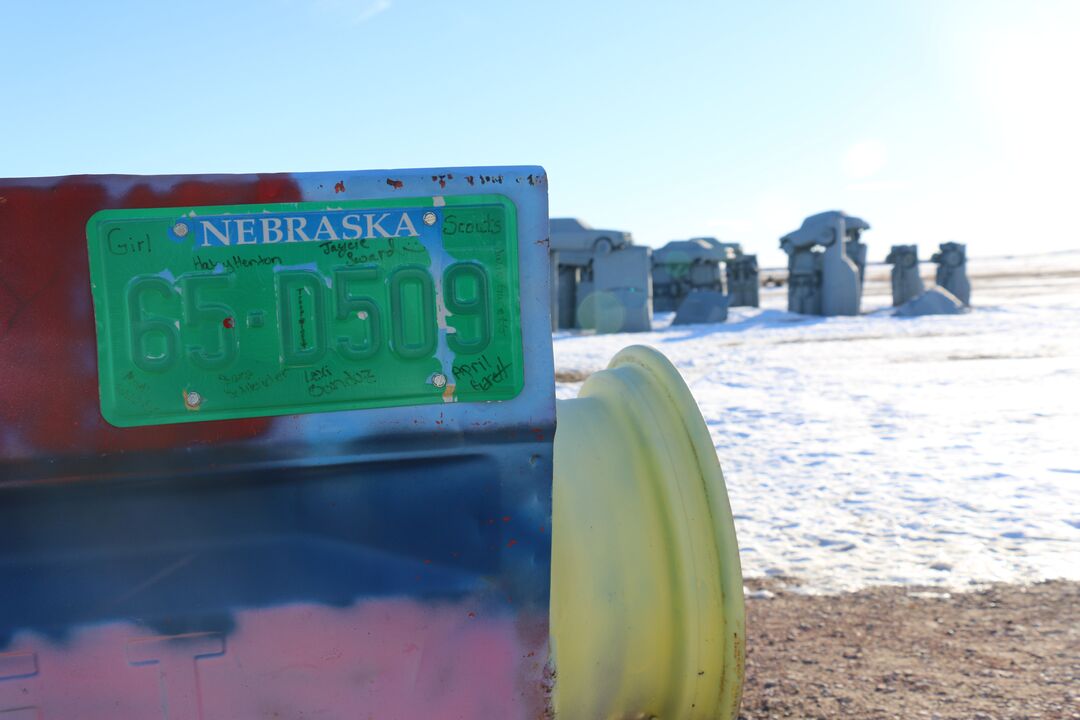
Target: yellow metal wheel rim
(647, 617)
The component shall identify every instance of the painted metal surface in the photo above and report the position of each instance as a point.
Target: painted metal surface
(385, 562)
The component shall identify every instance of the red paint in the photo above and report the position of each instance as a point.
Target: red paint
(229, 323)
(396, 184)
(512, 543)
(48, 346)
(506, 518)
(339, 187)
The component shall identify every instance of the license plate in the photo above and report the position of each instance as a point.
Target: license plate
(215, 313)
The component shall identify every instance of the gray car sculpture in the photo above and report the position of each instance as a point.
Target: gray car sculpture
(685, 265)
(576, 241)
(742, 281)
(906, 283)
(951, 260)
(822, 279)
(599, 278)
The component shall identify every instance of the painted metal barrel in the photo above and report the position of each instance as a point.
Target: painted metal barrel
(285, 445)
(647, 606)
(275, 446)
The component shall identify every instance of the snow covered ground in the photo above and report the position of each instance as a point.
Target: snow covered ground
(938, 450)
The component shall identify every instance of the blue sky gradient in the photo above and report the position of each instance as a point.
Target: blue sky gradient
(933, 120)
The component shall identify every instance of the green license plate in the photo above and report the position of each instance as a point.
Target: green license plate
(216, 313)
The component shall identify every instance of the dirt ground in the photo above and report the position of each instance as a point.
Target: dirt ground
(1002, 653)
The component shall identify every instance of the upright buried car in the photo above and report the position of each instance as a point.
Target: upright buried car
(282, 445)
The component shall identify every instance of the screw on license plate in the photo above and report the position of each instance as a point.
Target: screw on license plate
(180, 229)
(192, 399)
(438, 380)
(429, 218)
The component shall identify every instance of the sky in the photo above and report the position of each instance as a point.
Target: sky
(934, 121)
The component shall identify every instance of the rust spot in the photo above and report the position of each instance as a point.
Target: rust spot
(427, 562)
(229, 323)
(538, 433)
(506, 518)
(472, 614)
(543, 529)
(512, 543)
(340, 186)
(396, 184)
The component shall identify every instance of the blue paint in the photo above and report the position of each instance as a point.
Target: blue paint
(181, 555)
